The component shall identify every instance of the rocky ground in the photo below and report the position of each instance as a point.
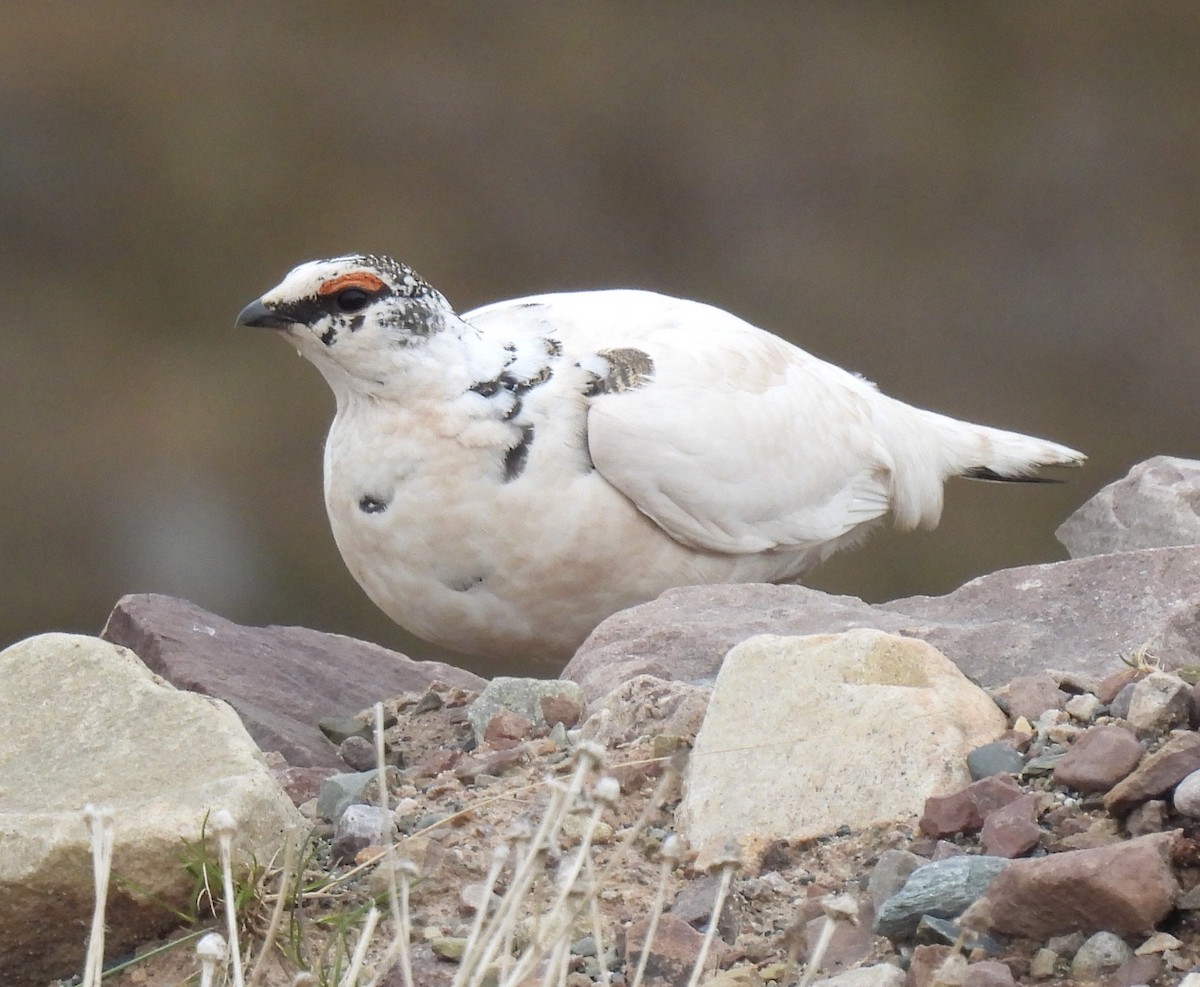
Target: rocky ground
(1078, 777)
(1064, 850)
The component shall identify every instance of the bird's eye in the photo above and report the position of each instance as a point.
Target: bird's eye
(352, 299)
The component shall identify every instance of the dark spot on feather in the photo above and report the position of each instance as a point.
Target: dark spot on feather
(369, 504)
(553, 347)
(330, 334)
(628, 368)
(518, 455)
(487, 388)
(356, 323)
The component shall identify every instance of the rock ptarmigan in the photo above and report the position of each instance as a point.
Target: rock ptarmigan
(501, 481)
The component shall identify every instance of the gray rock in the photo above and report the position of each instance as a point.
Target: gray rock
(1100, 954)
(86, 722)
(339, 791)
(1119, 707)
(1186, 797)
(646, 706)
(1153, 506)
(521, 696)
(359, 827)
(1044, 964)
(339, 729)
(280, 680)
(944, 889)
(358, 753)
(1084, 612)
(995, 758)
(1159, 703)
(1084, 708)
(786, 717)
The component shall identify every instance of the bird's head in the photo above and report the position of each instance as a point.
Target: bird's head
(352, 316)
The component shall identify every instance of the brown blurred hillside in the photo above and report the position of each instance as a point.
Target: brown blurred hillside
(990, 209)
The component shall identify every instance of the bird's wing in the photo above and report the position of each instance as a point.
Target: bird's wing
(728, 437)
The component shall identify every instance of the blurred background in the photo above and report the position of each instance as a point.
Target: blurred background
(990, 209)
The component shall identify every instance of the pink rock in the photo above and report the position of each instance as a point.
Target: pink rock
(1157, 772)
(1012, 829)
(673, 950)
(1030, 696)
(507, 729)
(988, 973)
(964, 811)
(280, 680)
(993, 628)
(1099, 758)
(1126, 888)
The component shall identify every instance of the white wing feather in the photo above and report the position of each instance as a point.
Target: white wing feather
(741, 442)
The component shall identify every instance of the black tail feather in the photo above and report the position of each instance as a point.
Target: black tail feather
(985, 473)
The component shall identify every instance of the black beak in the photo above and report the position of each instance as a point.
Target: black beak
(256, 315)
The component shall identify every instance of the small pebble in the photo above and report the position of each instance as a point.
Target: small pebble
(1187, 796)
(1101, 953)
(993, 759)
(1043, 964)
(1083, 708)
(449, 947)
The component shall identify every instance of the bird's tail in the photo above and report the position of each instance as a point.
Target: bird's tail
(935, 447)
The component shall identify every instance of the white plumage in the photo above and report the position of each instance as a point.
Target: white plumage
(500, 482)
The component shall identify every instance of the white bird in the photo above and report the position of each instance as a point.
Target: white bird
(501, 481)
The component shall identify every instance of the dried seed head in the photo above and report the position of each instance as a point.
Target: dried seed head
(607, 791)
(592, 752)
(840, 908)
(211, 948)
(222, 823)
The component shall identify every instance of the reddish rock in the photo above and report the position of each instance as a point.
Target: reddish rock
(1012, 829)
(561, 709)
(1157, 772)
(437, 761)
(1112, 684)
(965, 810)
(1126, 888)
(301, 784)
(1030, 696)
(994, 628)
(506, 729)
(694, 902)
(497, 763)
(1136, 970)
(280, 680)
(1149, 817)
(673, 951)
(850, 944)
(989, 973)
(1099, 758)
(925, 963)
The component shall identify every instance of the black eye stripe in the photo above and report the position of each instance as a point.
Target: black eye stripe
(308, 310)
